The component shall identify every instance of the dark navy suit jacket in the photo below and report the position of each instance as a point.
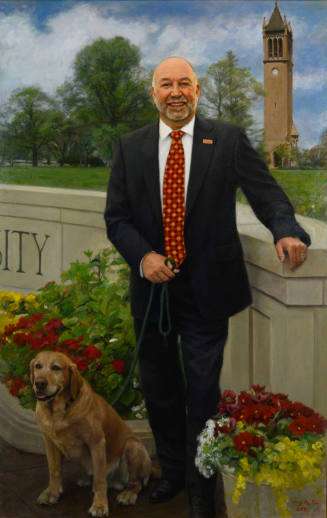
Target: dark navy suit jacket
(133, 212)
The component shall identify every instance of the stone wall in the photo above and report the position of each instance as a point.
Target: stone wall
(281, 341)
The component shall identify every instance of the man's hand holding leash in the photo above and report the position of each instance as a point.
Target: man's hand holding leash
(157, 268)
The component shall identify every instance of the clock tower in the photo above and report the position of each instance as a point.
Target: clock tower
(278, 83)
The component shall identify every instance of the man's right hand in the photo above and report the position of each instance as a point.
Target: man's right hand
(155, 270)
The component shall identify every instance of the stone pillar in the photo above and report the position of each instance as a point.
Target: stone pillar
(281, 340)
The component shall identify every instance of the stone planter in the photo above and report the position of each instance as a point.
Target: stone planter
(18, 426)
(259, 501)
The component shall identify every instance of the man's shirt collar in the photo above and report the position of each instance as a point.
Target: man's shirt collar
(165, 130)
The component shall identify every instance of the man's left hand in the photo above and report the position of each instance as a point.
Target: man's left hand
(295, 248)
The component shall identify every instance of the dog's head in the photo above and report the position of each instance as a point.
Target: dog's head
(53, 373)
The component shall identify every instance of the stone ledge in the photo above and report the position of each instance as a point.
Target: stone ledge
(290, 291)
(79, 199)
(18, 426)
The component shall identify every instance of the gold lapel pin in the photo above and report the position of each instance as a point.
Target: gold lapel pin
(207, 141)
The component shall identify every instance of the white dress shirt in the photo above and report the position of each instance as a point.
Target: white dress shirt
(164, 146)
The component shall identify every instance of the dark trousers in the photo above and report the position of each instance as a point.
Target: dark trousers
(178, 410)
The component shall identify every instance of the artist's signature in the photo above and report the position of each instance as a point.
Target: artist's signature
(306, 506)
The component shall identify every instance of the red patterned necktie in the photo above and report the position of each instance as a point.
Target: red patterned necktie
(173, 199)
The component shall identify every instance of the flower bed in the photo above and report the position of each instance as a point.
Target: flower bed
(264, 439)
(87, 317)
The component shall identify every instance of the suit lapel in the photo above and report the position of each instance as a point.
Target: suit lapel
(202, 154)
(150, 150)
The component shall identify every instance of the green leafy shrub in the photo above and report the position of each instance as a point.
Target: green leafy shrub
(87, 317)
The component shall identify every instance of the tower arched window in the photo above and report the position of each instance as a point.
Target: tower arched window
(270, 51)
(280, 47)
(275, 48)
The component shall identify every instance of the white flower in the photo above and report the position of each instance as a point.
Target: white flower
(113, 340)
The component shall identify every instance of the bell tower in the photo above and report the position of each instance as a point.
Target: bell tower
(278, 83)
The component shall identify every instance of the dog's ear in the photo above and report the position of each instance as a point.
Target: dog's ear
(32, 371)
(76, 380)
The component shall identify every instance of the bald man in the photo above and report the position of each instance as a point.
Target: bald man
(172, 193)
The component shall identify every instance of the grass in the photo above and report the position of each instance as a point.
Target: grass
(307, 189)
(94, 178)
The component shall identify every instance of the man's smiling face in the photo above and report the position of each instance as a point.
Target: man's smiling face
(175, 92)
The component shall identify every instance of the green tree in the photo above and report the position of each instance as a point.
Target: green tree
(282, 155)
(113, 89)
(27, 122)
(229, 91)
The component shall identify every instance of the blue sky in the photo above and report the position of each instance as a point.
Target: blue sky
(40, 38)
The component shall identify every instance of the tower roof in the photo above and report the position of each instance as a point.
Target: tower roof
(276, 22)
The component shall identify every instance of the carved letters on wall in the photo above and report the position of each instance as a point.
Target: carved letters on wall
(16, 240)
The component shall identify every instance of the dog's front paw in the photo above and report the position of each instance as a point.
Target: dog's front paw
(127, 497)
(99, 509)
(48, 497)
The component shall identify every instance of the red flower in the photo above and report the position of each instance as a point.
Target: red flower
(71, 344)
(36, 340)
(91, 352)
(15, 385)
(20, 338)
(280, 401)
(53, 324)
(229, 396)
(226, 428)
(118, 366)
(244, 398)
(246, 440)
(256, 413)
(36, 317)
(81, 363)
(297, 409)
(50, 339)
(26, 322)
(313, 424)
(9, 329)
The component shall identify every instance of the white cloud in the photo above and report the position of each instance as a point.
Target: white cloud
(314, 79)
(310, 126)
(45, 58)
(207, 39)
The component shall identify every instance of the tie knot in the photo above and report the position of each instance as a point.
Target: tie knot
(176, 134)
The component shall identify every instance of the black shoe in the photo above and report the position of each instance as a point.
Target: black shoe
(166, 490)
(201, 507)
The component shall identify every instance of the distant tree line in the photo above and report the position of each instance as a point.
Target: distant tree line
(108, 96)
(312, 158)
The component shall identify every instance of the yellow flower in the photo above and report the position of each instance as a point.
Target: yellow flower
(244, 463)
(239, 487)
(240, 425)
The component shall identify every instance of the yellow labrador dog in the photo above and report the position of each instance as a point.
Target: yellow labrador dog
(79, 424)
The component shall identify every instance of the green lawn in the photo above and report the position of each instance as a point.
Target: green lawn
(306, 189)
(95, 178)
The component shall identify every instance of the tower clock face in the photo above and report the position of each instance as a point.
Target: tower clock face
(274, 72)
